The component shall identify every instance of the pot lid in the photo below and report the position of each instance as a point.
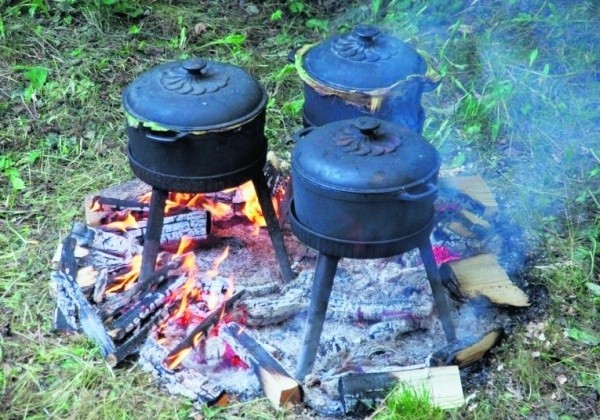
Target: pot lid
(362, 60)
(364, 155)
(194, 95)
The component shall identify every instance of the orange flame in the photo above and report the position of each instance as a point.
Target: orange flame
(124, 225)
(127, 280)
(185, 245)
(175, 360)
(189, 264)
(212, 273)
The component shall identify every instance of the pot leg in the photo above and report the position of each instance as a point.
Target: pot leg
(266, 205)
(437, 288)
(319, 298)
(156, 216)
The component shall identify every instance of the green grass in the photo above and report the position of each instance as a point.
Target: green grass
(404, 403)
(518, 104)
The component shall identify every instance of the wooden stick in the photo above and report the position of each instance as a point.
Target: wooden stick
(278, 386)
(442, 384)
(90, 321)
(174, 358)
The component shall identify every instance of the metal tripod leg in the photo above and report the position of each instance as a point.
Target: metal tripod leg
(438, 290)
(319, 298)
(266, 205)
(156, 217)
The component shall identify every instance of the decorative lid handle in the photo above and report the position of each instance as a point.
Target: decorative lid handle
(194, 65)
(366, 33)
(367, 125)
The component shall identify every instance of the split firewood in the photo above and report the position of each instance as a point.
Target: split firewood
(441, 384)
(61, 322)
(466, 351)
(100, 286)
(469, 225)
(271, 310)
(88, 318)
(86, 279)
(79, 252)
(278, 385)
(195, 225)
(473, 188)
(182, 349)
(144, 307)
(482, 275)
(116, 302)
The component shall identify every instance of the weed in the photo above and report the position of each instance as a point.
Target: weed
(409, 403)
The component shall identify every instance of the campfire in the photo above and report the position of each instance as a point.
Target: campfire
(208, 323)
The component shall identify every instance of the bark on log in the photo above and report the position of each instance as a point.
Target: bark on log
(442, 384)
(174, 357)
(343, 309)
(482, 275)
(273, 310)
(90, 321)
(100, 286)
(278, 386)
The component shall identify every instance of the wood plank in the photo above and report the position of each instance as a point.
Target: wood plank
(442, 384)
(474, 188)
(482, 275)
(278, 385)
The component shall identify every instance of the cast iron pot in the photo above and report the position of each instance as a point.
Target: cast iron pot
(364, 180)
(363, 73)
(193, 122)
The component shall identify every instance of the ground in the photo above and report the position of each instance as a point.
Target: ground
(518, 103)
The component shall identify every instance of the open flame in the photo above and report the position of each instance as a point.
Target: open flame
(128, 223)
(126, 280)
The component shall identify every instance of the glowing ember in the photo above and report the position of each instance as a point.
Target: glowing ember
(443, 255)
(123, 225)
(127, 280)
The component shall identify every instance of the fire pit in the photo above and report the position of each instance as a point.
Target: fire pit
(198, 126)
(363, 188)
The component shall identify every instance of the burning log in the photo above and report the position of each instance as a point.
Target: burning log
(100, 285)
(442, 384)
(143, 308)
(482, 275)
(271, 310)
(117, 204)
(115, 303)
(278, 386)
(475, 189)
(90, 321)
(196, 225)
(181, 350)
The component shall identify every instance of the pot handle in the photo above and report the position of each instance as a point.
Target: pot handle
(431, 190)
(298, 135)
(166, 139)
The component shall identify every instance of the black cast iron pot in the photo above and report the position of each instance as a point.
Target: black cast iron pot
(192, 123)
(363, 73)
(364, 180)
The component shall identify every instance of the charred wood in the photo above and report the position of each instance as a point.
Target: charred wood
(90, 321)
(116, 302)
(278, 386)
(117, 204)
(442, 384)
(191, 340)
(100, 286)
(143, 308)
(195, 225)
(275, 309)
(472, 188)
